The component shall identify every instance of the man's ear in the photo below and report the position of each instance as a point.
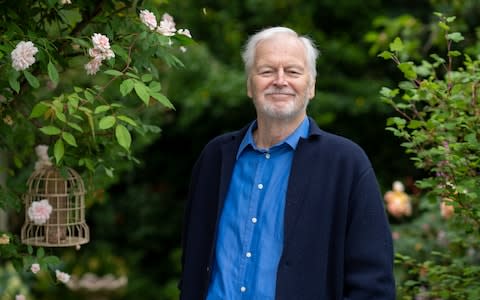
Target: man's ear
(311, 90)
(249, 88)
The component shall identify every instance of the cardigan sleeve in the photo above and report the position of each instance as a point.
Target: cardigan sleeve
(368, 247)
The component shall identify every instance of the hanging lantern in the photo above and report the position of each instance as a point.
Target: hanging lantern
(55, 209)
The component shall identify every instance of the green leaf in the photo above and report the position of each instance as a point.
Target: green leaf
(455, 36)
(38, 110)
(58, 150)
(32, 80)
(73, 101)
(40, 252)
(51, 261)
(120, 52)
(60, 116)
(52, 72)
(162, 99)
(126, 86)
(89, 96)
(113, 72)
(454, 53)
(123, 136)
(106, 122)
(397, 45)
(101, 108)
(69, 138)
(87, 162)
(147, 77)
(414, 124)
(132, 75)
(75, 126)
(471, 138)
(386, 55)
(408, 70)
(451, 19)
(127, 120)
(108, 171)
(155, 86)
(50, 130)
(13, 82)
(142, 92)
(443, 26)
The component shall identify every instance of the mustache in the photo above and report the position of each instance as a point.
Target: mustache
(271, 91)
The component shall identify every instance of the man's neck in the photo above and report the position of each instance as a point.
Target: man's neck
(270, 132)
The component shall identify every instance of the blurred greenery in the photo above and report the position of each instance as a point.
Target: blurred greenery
(138, 219)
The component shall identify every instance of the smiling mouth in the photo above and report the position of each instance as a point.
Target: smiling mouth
(279, 94)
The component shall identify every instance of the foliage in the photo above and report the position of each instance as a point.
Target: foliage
(85, 79)
(438, 120)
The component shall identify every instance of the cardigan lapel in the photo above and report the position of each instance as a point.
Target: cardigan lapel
(299, 178)
(228, 158)
(297, 185)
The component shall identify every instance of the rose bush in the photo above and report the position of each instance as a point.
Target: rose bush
(84, 79)
(438, 116)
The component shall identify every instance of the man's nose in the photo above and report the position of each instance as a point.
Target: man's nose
(280, 78)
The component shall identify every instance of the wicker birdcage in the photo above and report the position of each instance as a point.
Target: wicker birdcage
(65, 226)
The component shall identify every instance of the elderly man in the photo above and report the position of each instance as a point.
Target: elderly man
(282, 209)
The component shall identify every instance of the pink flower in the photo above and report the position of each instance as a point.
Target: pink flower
(185, 32)
(62, 277)
(39, 211)
(101, 55)
(446, 208)
(4, 239)
(23, 55)
(148, 18)
(167, 25)
(100, 51)
(93, 66)
(35, 268)
(20, 297)
(101, 42)
(398, 202)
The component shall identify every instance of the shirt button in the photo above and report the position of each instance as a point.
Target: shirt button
(248, 254)
(254, 220)
(267, 155)
(243, 289)
(260, 186)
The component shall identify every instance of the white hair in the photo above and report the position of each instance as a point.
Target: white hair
(311, 52)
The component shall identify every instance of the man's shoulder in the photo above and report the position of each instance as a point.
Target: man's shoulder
(224, 138)
(333, 146)
(231, 140)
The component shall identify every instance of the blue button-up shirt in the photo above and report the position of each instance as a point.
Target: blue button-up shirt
(250, 233)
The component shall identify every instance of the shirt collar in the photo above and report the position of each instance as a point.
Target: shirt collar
(291, 140)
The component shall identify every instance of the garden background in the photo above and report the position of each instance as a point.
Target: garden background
(137, 181)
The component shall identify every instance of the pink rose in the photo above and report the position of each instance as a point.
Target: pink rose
(148, 18)
(35, 268)
(23, 56)
(167, 25)
(39, 211)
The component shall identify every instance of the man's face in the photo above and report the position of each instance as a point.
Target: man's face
(279, 82)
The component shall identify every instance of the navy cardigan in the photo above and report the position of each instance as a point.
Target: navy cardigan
(337, 242)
